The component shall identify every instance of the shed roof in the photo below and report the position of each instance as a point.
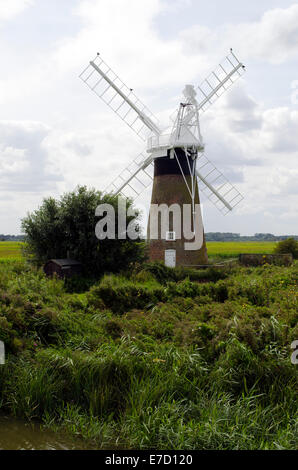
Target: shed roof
(65, 262)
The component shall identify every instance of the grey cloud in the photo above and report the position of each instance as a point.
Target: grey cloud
(232, 174)
(225, 153)
(27, 137)
(288, 144)
(272, 38)
(244, 125)
(280, 128)
(79, 148)
(239, 100)
(243, 110)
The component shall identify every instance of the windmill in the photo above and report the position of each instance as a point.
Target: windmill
(174, 159)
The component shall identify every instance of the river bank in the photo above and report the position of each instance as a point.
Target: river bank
(17, 434)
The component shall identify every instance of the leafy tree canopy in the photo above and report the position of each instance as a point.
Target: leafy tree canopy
(68, 225)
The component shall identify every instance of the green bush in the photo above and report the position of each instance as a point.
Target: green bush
(120, 294)
(287, 246)
(161, 272)
(164, 274)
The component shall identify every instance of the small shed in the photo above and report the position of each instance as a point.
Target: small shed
(63, 267)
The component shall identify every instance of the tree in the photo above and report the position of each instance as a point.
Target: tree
(68, 225)
(288, 246)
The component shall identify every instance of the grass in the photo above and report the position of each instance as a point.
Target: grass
(232, 249)
(172, 365)
(10, 250)
(215, 249)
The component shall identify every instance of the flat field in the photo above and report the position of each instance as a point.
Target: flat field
(230, 249)
(10, 250)
(215, 249)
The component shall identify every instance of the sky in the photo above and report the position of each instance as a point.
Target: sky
(56, 134)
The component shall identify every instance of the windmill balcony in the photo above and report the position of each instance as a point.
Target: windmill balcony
(168, 141)
(159, 142)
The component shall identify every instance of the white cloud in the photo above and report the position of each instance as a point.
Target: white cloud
(124, 34)
(24, 161)
(91, 157)
(11, 8)
(280, 130)
(283, 181)
(12, 160)
(274, 38)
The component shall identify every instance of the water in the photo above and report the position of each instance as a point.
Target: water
(16, 434)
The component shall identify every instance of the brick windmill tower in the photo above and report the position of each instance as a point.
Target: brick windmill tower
(174, 161)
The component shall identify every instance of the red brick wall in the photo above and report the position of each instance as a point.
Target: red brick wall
(171, 189)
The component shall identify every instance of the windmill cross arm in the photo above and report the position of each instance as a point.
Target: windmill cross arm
(219, 86)
(219, 190)
(217, 194)
(145, 119)
(219, 80)
(141, 166)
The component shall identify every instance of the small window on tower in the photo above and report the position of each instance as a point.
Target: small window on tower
(171, 236)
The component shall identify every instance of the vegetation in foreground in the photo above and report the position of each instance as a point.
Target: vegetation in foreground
(154, 359)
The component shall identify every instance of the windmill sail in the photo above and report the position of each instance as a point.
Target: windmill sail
(216, 186)
(101, 79)
(134, 179)
(220, 80)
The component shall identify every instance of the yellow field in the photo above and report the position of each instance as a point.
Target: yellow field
(235, 248)
(10, 250)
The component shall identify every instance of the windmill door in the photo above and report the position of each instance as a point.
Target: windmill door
(170, 258)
